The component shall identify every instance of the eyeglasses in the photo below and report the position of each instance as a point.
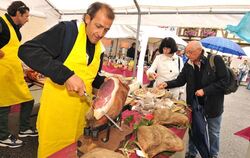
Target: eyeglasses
(190, 51)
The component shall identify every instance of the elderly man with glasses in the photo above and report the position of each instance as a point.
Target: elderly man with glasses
(208, 86)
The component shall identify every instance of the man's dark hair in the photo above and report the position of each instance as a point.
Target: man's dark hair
(168, 42)
(17, 6)
(95, 7)
(133, 44)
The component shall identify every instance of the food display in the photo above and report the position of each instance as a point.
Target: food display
(166, 117)
(156, 139)
(154, 136)
(140, 92)
(131, 65)
(106, 109)
(119, 62)
(146, 128)
(34, 76)
(143, 92)
(109, 100)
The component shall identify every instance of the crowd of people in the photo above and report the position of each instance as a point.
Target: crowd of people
(73, 70)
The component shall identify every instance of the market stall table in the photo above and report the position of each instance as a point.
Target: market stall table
(70, 150)
(123, 72)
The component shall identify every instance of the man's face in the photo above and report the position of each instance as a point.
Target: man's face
(22, 18)
(97, 27)
(179, 52)
(193, 53)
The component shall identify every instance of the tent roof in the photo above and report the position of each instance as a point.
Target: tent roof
(74, 6)
(191, 13)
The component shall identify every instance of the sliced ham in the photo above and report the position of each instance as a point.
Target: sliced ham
(110, 99)
(103, 95)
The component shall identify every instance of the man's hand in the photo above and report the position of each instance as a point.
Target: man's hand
(152, 76)
(75, 84)
(1, 54)
(199, 93)
(162, 85)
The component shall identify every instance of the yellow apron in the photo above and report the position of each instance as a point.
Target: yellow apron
(61, 117)
(13, 87)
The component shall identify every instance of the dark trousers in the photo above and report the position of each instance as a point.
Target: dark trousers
(25, 111)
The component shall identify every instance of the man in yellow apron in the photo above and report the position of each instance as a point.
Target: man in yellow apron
(70, 55)
(13, 88)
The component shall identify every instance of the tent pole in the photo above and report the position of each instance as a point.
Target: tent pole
(137, 36)
(116, 48)
(52, 6)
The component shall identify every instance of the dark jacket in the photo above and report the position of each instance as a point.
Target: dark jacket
(5, 32)
(46, 53)
(131, 52)
(212, 83)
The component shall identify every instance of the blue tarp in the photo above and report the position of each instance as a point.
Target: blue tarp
(242, 29)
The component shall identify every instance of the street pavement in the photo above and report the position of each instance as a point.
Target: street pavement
(236, 117)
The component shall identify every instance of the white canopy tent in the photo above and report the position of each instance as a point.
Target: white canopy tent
(180, 13)
(129, 31)
(121, 31)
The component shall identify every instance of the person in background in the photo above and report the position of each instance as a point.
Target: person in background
(168, 65)
(71, 74)
(180, 53)
(131, 51)
(208, 88)
(229, 61)
(243, 71)
(154, 54)
(13, 87)
(225, 59)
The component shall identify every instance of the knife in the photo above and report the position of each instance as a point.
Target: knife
(89, 98)
(110, 119)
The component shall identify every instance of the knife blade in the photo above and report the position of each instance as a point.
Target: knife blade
(110, 119)
(88, 98)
